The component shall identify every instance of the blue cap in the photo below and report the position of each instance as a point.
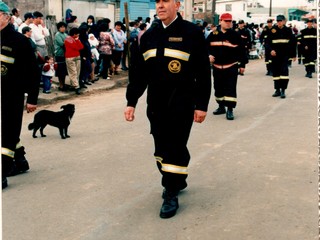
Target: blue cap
(4, 7)
(280, 18)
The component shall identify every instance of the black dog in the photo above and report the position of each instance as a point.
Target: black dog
(60, 120)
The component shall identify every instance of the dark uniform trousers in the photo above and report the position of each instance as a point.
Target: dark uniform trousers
(267, 49)
(280, 72)
(19, 74)
(267, 58)
(225, 85)
(170, 131)
(299, 49)
(11, 127)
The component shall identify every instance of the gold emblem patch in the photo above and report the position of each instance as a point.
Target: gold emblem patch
(4, 70)
(175, 39)
(273, 30)
(174, 66)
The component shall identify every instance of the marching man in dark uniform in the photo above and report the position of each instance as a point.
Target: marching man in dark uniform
(226, 53)
(174, 66)
(283, 46)
(263, 40)
(309, 47)
(246, 42)
(19, 75)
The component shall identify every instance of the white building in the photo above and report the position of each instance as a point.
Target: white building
(237, 8)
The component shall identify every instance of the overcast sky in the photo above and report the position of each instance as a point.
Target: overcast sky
(284, 3)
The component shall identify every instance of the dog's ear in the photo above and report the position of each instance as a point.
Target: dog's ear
(63, 107)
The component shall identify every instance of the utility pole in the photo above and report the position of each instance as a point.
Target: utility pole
(270, 8)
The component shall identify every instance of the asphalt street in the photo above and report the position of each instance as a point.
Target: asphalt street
(254, 178)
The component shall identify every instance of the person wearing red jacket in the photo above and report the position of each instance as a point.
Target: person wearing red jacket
(73, 46)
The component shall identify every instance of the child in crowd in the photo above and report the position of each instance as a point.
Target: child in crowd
(48, 72)
(94, 44)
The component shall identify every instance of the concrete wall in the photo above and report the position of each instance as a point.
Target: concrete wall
(238, 9)
(28, 6)
(82, 9)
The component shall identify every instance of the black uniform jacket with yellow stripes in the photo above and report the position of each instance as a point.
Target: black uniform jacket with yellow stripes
(309, 38)
(283, 42)
(173, 63)
(19, 69)
(227, 48)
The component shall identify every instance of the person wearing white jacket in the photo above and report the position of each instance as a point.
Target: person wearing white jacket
(39, 32)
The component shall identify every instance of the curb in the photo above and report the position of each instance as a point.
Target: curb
(99, 86)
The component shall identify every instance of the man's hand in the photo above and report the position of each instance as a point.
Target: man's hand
(129, 114)
(273, 53)
(199, 116)
(31, 107)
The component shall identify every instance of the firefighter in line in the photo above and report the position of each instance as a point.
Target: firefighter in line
(175, 68)
(226, 54)
(283, 47)
(19, 75)
(263, 40)
(246, 42)
(309, 47)
(299, 49)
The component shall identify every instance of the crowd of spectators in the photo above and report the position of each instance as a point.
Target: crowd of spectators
(83, 51)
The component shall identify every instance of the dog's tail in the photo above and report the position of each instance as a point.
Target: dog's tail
(31, 126)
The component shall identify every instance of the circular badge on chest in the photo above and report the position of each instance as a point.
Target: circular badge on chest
(174, 66)
(4, 70)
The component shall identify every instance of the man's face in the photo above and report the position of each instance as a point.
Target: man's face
(167, 10)
(37, 20)
(17, 14)
(241, 25)
(226, 24)
(280, 23)
(4, 20)
(269, 24)
(309, 24)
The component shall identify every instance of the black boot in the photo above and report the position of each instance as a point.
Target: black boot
(276, 93)
(87, 82)
(309, 74)
(77, 90)
(229, 114)
(282, 94)
(170, 204)
(220, 110)
(21, 164)
(4, 182)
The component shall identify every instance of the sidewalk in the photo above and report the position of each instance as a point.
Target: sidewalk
(100, 85)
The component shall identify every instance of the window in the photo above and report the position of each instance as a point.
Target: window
(228, 7)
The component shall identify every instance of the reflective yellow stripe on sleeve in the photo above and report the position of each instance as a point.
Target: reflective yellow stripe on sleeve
(310, 36)
(6, 59)
(150, 53)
